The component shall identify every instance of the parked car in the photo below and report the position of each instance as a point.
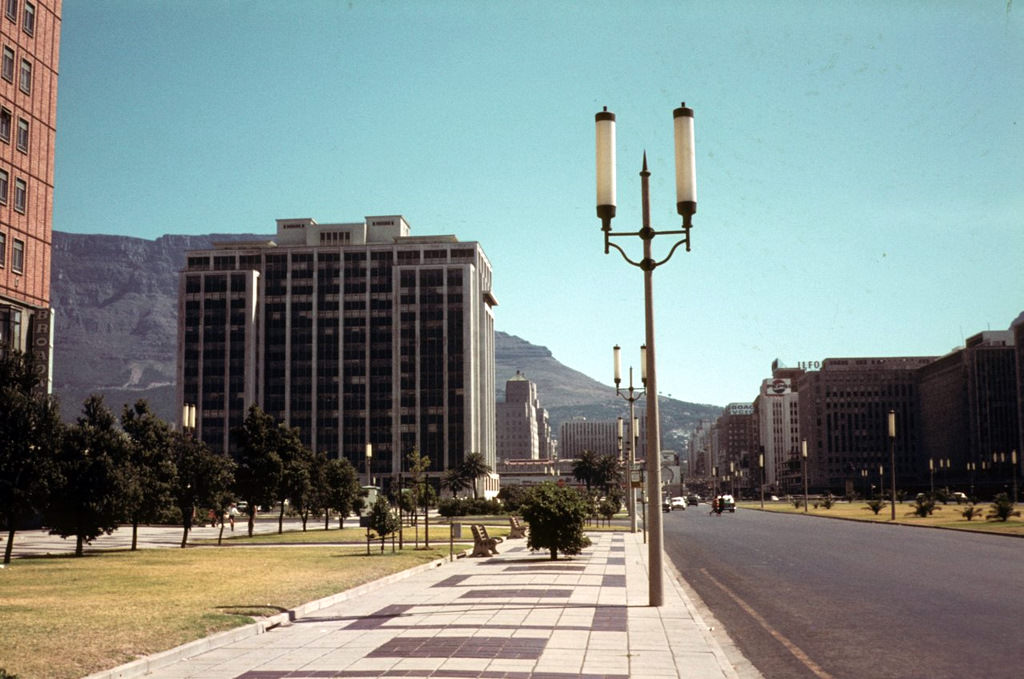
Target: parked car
(728, 503)
(959, 497)
(678, 503)
(693, 500)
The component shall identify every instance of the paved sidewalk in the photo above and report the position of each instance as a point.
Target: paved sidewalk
(517, 615)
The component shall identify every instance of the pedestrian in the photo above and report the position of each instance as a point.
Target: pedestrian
(714, 506)
(232, 513)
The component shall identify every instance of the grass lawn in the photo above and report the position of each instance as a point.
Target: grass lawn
(66, 617)
(945, 516)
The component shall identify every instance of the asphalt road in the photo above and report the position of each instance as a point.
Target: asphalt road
(810, 597)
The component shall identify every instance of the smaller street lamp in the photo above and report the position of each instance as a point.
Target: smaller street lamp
(892, 460)
(760, 463)
(632, 396)
(803, 455)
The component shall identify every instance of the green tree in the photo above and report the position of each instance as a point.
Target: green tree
(150, 466)
(259, 467)
(202, 478)
(1001, 508)
(316, 500)
(295, 484)
(382, 520)
(421, 493)
(556, 515)
(88, 496)
(585, 469)
(30, 435)
(342, 488)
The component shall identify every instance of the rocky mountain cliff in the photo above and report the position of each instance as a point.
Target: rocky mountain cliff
(115, 330)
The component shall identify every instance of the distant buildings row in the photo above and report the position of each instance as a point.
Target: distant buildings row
(959, 423)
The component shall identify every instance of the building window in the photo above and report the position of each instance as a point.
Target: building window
(26, 76)
(5, 181)
(3, 250)
(5, 125)
(18, 256)
(20, 195)
(22, 135)
(7, 71)
(12, 9)
(28, 23)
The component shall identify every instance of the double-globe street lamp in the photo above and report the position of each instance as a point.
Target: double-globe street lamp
(686, 206)
(632, 396)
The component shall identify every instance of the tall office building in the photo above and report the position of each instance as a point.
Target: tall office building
(517, 425)
(970, 411)
(30, 40)
(601, 438)
(353, 333)
(844, 409)
(776, 417)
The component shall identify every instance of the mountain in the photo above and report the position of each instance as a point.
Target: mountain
(115, 330)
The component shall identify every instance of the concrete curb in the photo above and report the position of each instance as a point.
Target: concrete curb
(147, 664)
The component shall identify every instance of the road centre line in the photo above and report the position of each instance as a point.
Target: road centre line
(797, 652)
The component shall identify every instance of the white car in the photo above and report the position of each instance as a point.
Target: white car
(678, 503)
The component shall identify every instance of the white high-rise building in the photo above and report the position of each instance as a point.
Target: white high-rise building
(353, 333)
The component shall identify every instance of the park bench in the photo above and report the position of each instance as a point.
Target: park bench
(517, 529)
(483, 544)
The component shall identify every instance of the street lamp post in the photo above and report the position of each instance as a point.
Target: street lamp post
(188, 418)
(369, 456)
(760, 463)
(633, 396)
(1013, 460)
(803, 457)
(892, 461)
(931, 475)
(686, 206)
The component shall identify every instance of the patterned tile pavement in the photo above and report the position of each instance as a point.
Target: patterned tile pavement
(517, 615)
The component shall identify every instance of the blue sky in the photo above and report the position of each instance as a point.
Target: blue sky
(860, 165)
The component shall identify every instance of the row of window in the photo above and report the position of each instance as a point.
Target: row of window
(28, 15)
(24, 73)
(20, 191)
(17, 254)
(6, 122)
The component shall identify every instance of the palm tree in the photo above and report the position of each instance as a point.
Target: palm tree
(472, 468)
(585, 468)
(454, 481)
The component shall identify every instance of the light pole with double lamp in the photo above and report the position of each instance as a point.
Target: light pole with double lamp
(686, 206)
(632, 397)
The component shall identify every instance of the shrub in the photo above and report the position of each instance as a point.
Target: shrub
(449, 507)
(923, 506)
(970, 511)
(828, 501)
(876, 505)
(1002, 508)
(511, 497)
